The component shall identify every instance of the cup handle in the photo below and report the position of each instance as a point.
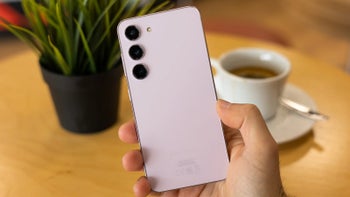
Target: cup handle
(215, 64)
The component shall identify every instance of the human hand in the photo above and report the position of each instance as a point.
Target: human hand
(254, 163)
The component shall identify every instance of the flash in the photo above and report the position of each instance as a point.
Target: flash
(149, 29)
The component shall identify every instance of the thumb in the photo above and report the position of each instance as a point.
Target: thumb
(248, 120)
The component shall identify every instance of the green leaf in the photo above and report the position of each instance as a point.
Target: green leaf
(82, 13)
(26, 36)
(99, 19)
(114, 59)
(87, 49)
(60, 59)
(163, 6)
(146, 8)
(132, 8)
(78, 36)
(65, 33)
(34, 18)
(112, 25)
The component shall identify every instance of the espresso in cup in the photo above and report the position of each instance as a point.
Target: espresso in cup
(253, 72)
(252, 75)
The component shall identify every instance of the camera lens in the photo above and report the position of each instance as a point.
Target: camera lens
(132, 33)
(136, 52)
(140, 71)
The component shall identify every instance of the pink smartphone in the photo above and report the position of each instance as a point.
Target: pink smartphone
(171, 89)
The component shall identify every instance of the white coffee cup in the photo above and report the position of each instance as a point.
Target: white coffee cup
(265, 93)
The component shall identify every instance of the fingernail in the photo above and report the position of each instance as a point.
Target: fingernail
(224, 104)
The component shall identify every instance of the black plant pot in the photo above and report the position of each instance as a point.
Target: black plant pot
(85, 104)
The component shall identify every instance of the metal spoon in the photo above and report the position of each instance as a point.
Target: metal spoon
(303, 110)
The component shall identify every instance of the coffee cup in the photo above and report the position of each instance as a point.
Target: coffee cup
(252, 75)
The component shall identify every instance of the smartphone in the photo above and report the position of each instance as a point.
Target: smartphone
(173, 97)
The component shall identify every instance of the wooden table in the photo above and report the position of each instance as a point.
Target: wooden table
(39, 158)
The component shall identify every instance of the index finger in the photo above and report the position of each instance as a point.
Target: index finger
(127, 132)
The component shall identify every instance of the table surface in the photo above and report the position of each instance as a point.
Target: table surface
(39, 158)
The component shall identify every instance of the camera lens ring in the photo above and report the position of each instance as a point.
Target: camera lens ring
(136, 52)
(140, 71)
(132, 33)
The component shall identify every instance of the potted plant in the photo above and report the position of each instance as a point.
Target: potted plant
(79, 54)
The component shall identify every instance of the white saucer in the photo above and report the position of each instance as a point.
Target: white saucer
(287, 125)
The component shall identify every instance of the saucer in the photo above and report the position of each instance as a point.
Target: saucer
(287, 125)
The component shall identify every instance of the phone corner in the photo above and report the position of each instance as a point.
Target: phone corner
(193, 9)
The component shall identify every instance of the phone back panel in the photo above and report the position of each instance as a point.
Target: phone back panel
(179, 130)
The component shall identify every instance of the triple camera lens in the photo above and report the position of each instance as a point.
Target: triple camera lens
(139, 71)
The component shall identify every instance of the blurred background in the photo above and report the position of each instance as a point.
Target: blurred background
(318, 28)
